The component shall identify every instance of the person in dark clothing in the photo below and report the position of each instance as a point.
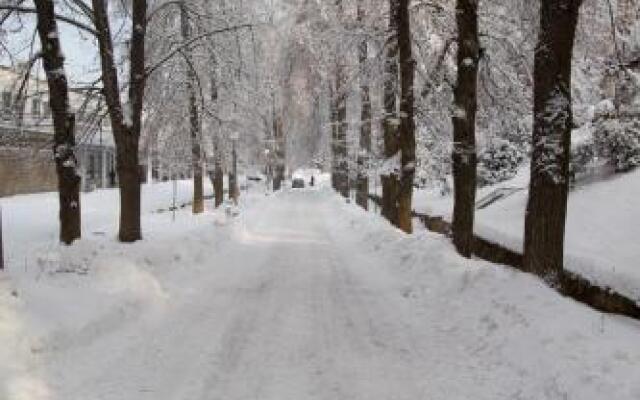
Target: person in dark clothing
(112, 178)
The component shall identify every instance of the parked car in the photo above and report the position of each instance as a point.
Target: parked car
(297, 183)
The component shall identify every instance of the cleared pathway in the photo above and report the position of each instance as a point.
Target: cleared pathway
(298, 304)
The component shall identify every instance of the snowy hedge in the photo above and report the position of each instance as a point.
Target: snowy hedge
(498, 162)
(583, 156)
(618, 140)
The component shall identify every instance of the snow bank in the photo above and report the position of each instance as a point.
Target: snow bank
(494, 332)
(301, 296)
(54, 298)
(30, 221)
(601, 239)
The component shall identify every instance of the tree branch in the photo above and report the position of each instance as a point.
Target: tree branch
(62, 18)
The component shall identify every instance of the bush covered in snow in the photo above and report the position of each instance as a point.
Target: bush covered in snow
(433, 155)
(583, 156)
(618, 140)
(499, 162)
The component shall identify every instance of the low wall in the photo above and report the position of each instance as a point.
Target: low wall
(26, 171)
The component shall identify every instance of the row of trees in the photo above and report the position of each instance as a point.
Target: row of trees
(167, 62)
(125, 118)
(551, 108)
(402, 87)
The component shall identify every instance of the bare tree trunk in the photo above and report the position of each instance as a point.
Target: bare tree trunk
(390, 182)
(464, 125)
(553, 119)
(218, 182)
(194, 120)
(234, 192)
(340, 176)
(333, 115)
(128, 166)
(280, 155)
(362, 186)
(232, 184)
(218, 174)
(407, 123)
(126, 131)
(63, 123)
(217, 179)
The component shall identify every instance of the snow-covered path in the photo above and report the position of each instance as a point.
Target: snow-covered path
(297, 316)
(304, 297)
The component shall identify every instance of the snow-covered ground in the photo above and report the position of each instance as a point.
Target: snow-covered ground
(602, 226)
(301, 296)
(31, 221)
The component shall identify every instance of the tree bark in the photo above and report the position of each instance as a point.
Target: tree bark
(280, 155)
(553, 119)
(232, 184)
(194, 120)
(333, 119)
(218, 174)
(342, 176)
(234, 192)
(340, 152)
(129, 178)
(218, 182)
(407, 123)
(390, 181)
(362, 186)
(464, 122)
(126, 131)
(63, 123)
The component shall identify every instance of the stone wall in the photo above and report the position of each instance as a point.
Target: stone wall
(26, 171)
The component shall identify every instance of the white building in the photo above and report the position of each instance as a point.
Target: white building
(26, 137)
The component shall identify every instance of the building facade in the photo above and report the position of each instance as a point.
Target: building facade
(26, 137)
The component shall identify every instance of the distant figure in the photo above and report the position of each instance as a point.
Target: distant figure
(112, 178)
(312, 180)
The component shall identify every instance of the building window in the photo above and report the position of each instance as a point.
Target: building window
(35, 108)
(46, 109)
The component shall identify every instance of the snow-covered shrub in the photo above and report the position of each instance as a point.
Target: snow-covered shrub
(499, 162)
(433, 156)
(604, 109)
(582, 157)
(618, 140)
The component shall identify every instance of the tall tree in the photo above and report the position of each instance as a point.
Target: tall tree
(194, 120)
(464, 125)
(553, 119)
(390, 181)
(126, 121)
(279, 150)
(218, 173)
(340, 149)
(362, 194)
(63, 122)
(407, 139)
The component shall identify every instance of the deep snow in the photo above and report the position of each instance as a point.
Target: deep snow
(602, 231)
(301, 296)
